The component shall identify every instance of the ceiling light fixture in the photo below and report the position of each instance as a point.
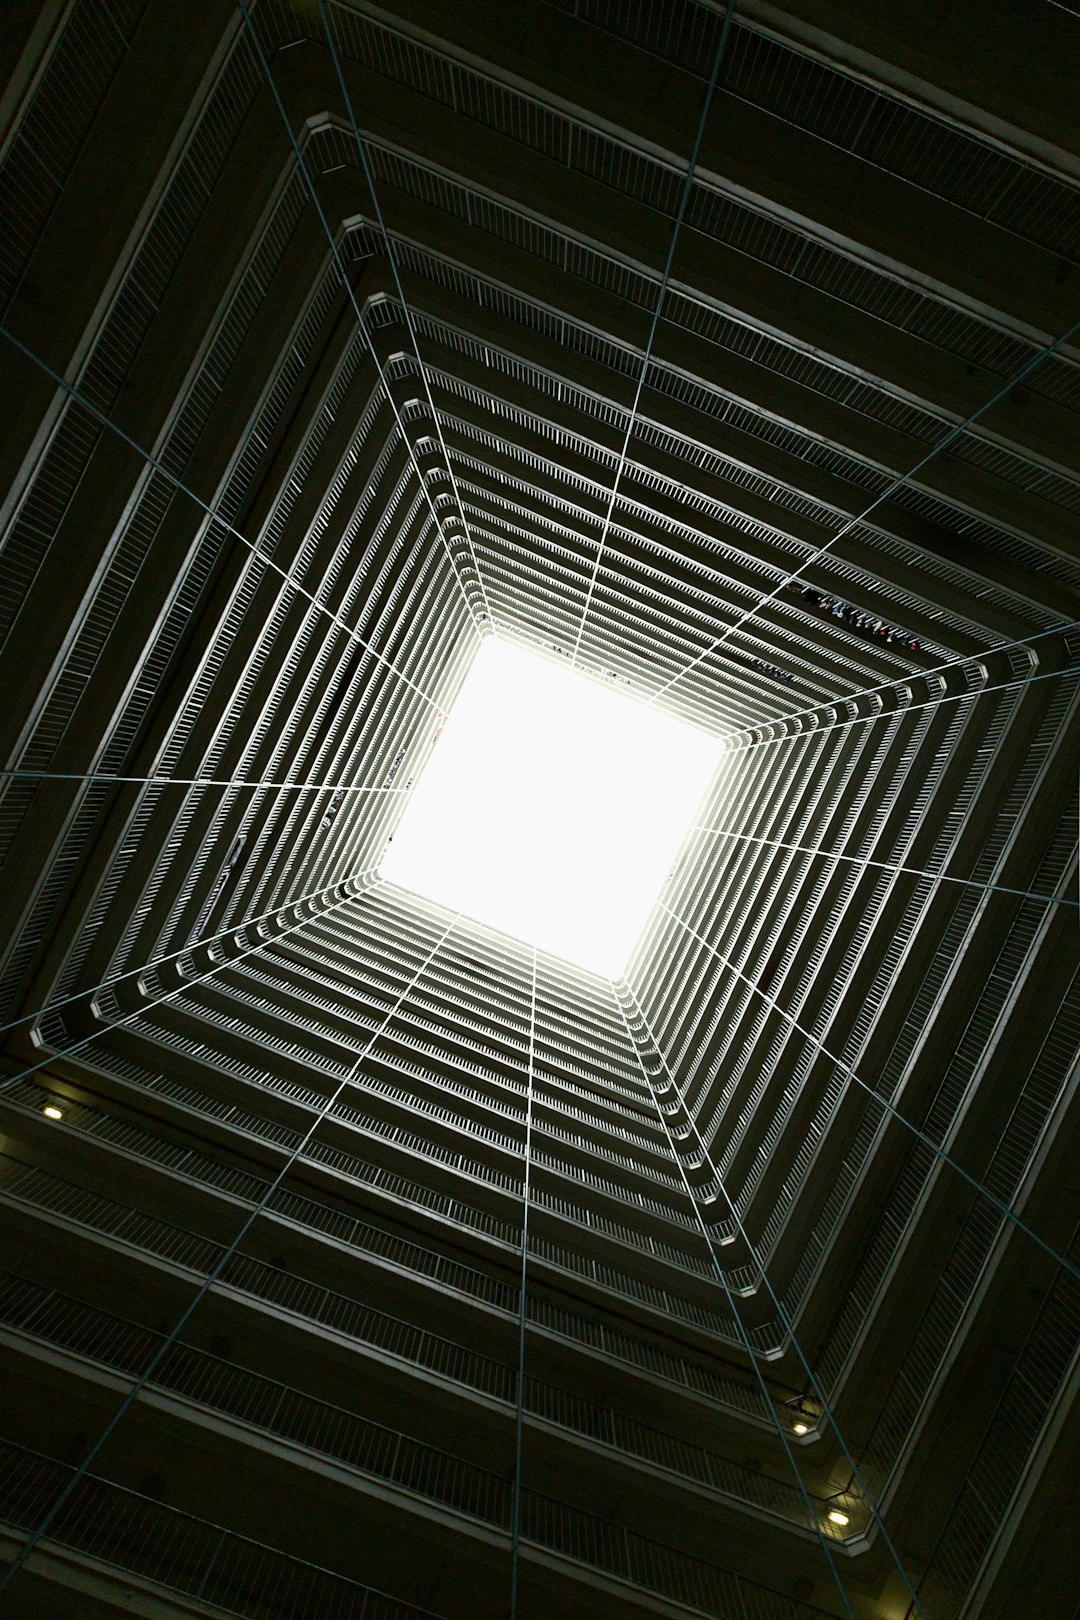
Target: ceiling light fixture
(552, 808)
(51, 1111)
(801, 1428)
(836, 1517)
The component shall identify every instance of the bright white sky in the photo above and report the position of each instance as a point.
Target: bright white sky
(552, 807)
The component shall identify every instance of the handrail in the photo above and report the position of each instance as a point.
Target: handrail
(222, 1385)
(207, 1562)
(175, 1550)
(353, 1231)
(311, 1301)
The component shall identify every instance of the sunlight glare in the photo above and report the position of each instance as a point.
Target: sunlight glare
(552, 807)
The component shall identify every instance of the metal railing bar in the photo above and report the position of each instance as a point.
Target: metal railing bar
(212, 513)
(890, 489)
(361, 148)
(813, 1518)
(905, 708)
(680, 215)
(786, 1320)
(129, 1399)
(894, 1113)
(170, 956)
(346, 283)
(110, 778)
(23, 1300)
(105, 1487)
(890, 866)
(519, 1402)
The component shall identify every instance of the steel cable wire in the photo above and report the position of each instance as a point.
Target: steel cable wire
(42, 1527)
(1002, 1208)
(744, 1336)
(365, 162)
(519, 1413)
(787, 1323)
(346, 283)
(212, 513)
(897, 483)
(680, 214)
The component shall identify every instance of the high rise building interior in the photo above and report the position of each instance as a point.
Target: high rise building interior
(369, 1256)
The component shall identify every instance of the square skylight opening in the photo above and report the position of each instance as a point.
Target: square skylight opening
(551, 808)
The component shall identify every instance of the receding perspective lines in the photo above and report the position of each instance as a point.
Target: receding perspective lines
(539, 975)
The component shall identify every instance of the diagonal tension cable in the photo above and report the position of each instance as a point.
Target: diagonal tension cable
(785, 1319)
(343, 274)
(111, 779)
(47, 1518)
(1003, 1209)
(182, 950)
(155, 1001)
(890, 489)
(212, 513)
(741, 1328)
(1020, 682)
(1063, 630)
(680, 215)
(519, 1404)
(889, 866)
(365, 162)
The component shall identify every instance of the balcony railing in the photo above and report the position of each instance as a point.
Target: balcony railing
(120, 1527)
(361, 1235)
(201, 1560)
(149, 1235)
(333, 1432)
